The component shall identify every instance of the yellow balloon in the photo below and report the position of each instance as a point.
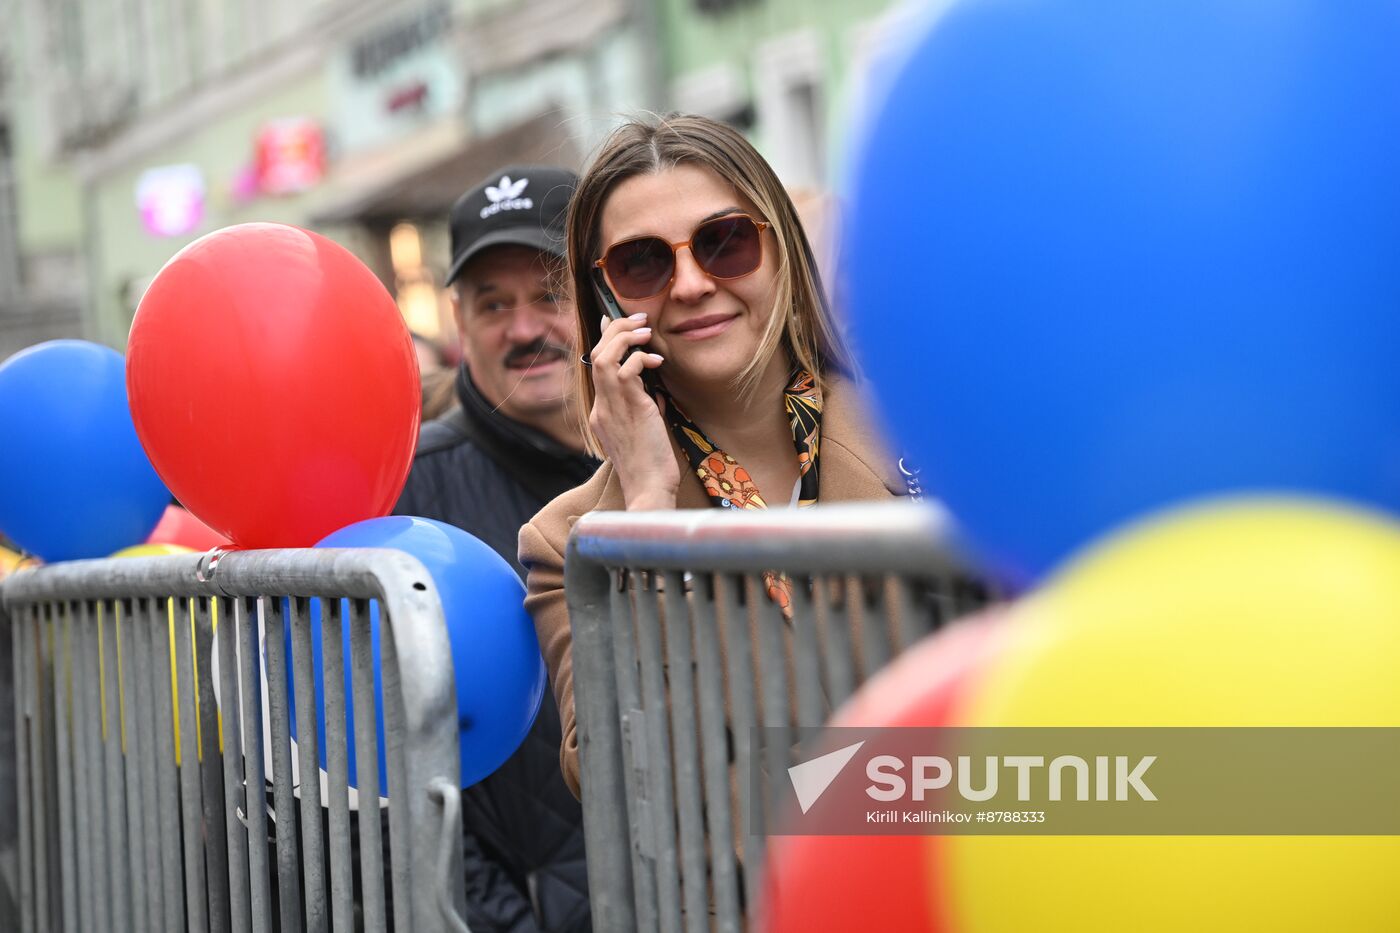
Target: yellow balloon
(153, 550)
(1264, 612)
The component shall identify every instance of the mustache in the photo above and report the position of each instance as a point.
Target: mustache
(525, 354)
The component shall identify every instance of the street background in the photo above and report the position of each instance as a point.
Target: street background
(128, 128)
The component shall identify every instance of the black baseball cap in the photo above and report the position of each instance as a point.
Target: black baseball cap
(519, 205)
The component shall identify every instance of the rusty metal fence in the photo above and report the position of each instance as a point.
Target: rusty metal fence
(148, 733)
(679, 656)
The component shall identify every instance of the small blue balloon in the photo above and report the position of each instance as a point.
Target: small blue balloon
(1109, 257)
(74, 480)
(500, 673)
(319, 679)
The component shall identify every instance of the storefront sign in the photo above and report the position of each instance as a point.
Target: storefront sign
(171, 199)
(291, 156)
(394, 77)
(380, 50)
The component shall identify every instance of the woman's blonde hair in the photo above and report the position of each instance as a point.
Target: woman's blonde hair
(647, 145)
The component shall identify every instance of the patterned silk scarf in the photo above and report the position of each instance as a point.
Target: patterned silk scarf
(730, 486)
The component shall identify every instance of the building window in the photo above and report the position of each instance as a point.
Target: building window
(717, 92)
(716, 6)
(9, 224)
(807, 125)
(791, 108)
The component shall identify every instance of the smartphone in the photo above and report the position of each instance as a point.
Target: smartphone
(605, 295)
(614, 311)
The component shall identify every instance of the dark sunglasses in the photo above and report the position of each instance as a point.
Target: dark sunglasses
(728, 247)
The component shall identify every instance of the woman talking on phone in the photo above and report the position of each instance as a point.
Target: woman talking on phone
(717, 377)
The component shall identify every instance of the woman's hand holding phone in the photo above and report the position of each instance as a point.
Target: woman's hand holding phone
(626, 420)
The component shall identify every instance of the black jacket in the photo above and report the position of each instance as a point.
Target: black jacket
(488, 475)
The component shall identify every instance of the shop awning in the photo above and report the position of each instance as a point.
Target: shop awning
(421, 179)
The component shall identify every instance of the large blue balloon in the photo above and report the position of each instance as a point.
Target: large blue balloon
(1105, 257)
(74, 481)
(495, 655)
(319, 678)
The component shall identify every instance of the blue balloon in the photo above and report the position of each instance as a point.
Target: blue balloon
(496, 657)
(1108, 257)
(319, 679)
(74, 481)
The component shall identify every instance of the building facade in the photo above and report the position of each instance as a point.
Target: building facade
(362, 120)
(786, 71)
(128, 128)
(790, 73)
(41, 282)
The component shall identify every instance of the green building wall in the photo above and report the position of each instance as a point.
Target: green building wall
(123, 256)
(745, 35)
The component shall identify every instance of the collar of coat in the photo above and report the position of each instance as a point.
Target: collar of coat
(519, 447)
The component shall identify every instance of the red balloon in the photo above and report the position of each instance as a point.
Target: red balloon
(274, 386)
(178, 526)
(879, 882)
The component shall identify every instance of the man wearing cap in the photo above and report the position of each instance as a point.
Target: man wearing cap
(488, 467)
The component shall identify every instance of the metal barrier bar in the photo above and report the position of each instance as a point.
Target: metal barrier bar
(658, 738)
(744, 715)
(771, 667)
(35, 700)
(427, 714)
(101, 688)
(838, 655)
(288, 864)
(191, 785)
(144, 811)
(367, 765)
(24, 715)
(63, 757)
(9, 790)
(906, 612)
(247, 619)
(400, 871)
(161, 633)
(720, 828)
(211, 772)
(89, 739)
(833, 539)
(46, 799)
(337, 765)
(308, 757)
(680, 654)
(53, 849)
(130, 820)
(602, 750)
(225, 613)
(668, 702)
(635, 765)
(874, 646)
(806, 653)
(114, 766)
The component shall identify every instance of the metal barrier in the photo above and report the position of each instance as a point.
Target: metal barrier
(142, 811)
(678, 656)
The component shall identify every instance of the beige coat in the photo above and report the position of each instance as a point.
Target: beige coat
(855, 466)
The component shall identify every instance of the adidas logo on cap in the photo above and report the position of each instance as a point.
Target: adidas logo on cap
(505, 196)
